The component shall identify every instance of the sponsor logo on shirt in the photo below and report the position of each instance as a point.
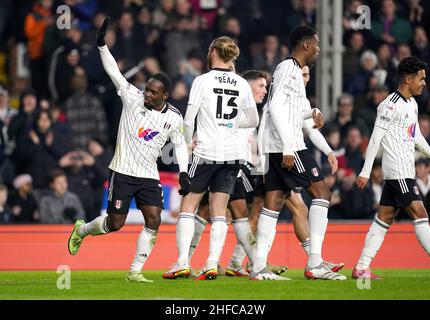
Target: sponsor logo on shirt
(411, 130)
(228, 125)
(147, 134)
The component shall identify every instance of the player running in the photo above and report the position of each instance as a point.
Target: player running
(222, 102)
(291, 164)
(397, 130)
(147, 122)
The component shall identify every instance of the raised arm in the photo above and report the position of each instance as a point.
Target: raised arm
(108, 61)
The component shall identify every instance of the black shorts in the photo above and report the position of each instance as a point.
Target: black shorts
(213, 176)
(245, 184)
(400, 193)
(304, 172)
(123, 188)
(259, 190)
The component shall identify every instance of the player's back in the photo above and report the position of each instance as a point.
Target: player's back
(220, 95)
(398, 116)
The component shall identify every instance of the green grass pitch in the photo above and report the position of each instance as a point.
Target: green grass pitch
(401, 284)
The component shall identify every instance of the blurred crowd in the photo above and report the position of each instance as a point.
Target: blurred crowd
(59, 111)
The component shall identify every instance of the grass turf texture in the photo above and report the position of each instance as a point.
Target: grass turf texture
(397, 284)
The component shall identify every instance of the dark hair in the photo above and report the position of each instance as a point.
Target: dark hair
(38, 114)
(164, 79)
(300, 34)
(55, 174)
(254, 75)
(409, 66)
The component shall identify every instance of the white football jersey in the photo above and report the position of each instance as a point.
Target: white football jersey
(287, 80)
(220, 95)
(399, 117)
(142, 133)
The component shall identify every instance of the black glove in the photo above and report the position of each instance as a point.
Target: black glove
(101, 32)
(184, 181)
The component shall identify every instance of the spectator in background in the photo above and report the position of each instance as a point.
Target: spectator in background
(163, 15)
(6, 145)
(146, 33)
(233, 29)
(403, 51)
(353, 147)
(60, 206)
(40, 150)
(22, 202)
(102, 155)
(127, 41)
(332, 135)
(423, 176)
(192, 67)
(389, 27)
(85, 114)
(367, 113)
(386, 63)
(358, 84)
(6, 214)
(416, 12)
(22, 122)
(68, 65)
(355, 203)
(271, 55)
(344, 116)
(83, 10)
(351, 56)
(179, 96)
(376, 184)
(421, 47)
(424, 123)
(36, 22)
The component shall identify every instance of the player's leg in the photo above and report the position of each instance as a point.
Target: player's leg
(221, 187)
(201, 219)
(373, 242)
(149, 199)
(145, 242)
(419, 216)
(299, 212)
(120, 195)
(246, 240)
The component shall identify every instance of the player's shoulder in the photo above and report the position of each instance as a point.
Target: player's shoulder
(174, 112)
(289, 63)
(392, 101)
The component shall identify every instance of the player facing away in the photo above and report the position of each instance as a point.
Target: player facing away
(222, 102)
(291, 164)
(147, 122)
(294, 202)
(397, 130)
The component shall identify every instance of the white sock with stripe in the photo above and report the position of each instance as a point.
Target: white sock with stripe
(216, 243)
(184, 235)
(422, 231)
(96, 227)
(317, 228)
(374, 239)
(266, 231)
(306, 245)
(144, 245)
(199, 227)
(244, 236)
(237, 257)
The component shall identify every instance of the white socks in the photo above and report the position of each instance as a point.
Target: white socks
(375, 237)
(199, 227)
(184, 235)
(266, 231)
(217, 238)
(237, 257)
(306, 246)
(245, 237)
(422, 231)
(145, 243)
(95, 227)
(317, 228)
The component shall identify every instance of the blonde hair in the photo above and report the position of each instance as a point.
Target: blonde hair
(226, 48)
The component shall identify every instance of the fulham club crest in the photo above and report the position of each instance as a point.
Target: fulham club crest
(417, 192)
(315, 172)
(118, 204)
